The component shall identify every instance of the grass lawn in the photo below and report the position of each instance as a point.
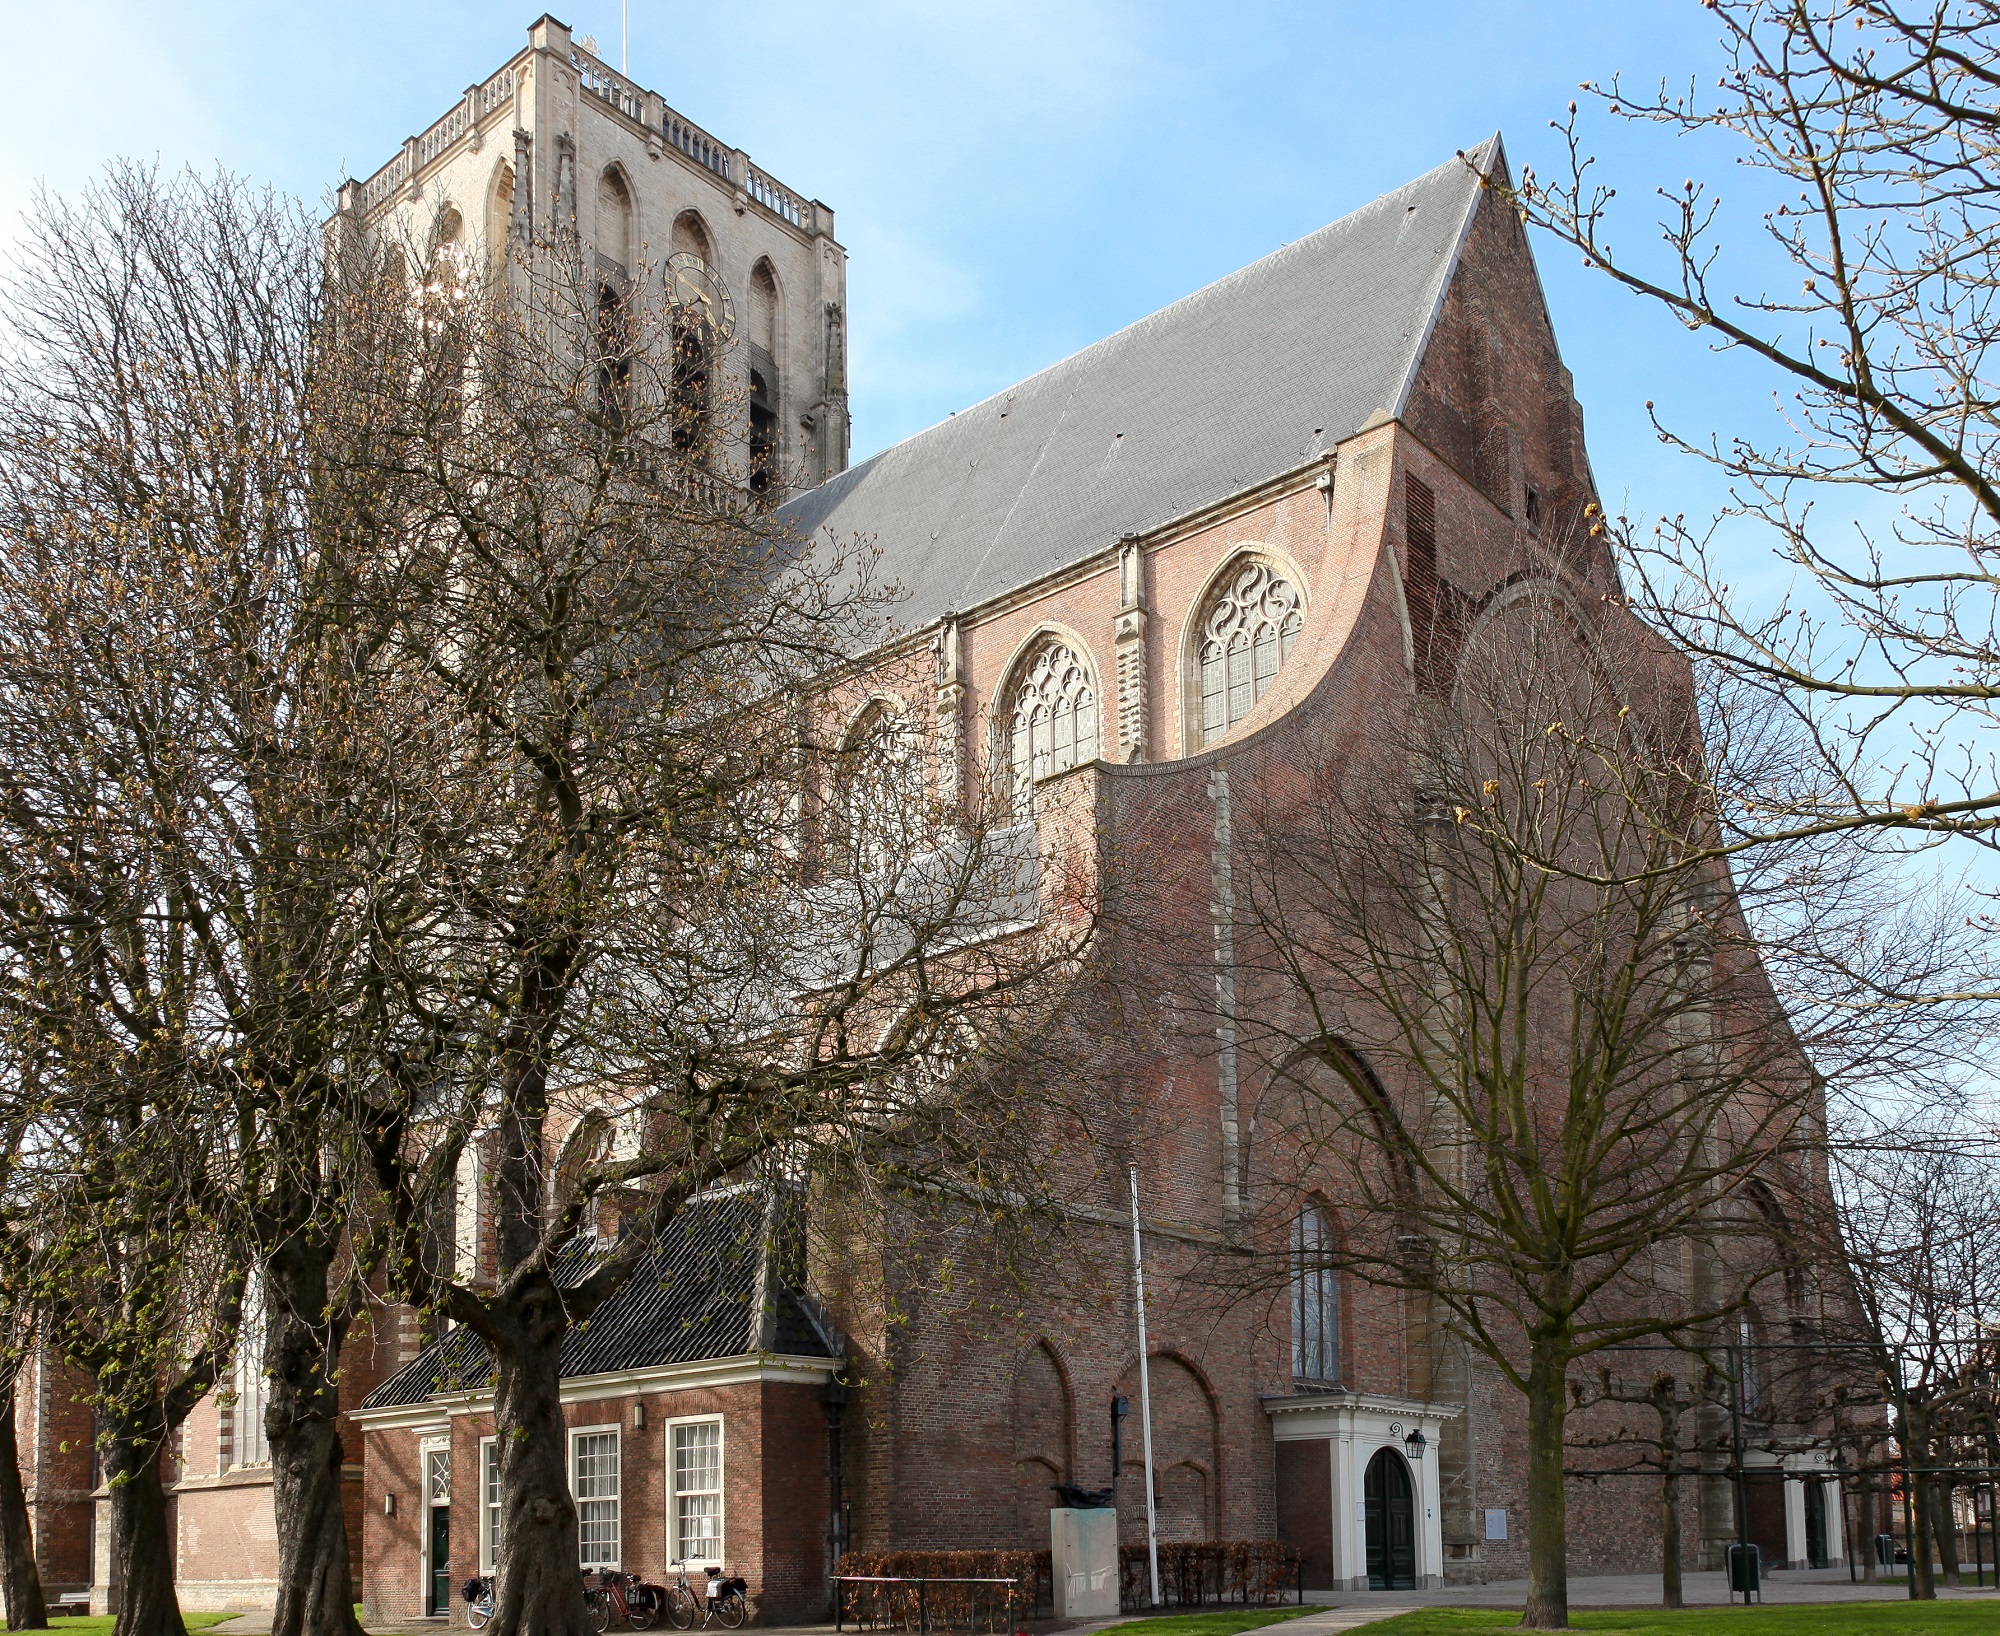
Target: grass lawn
(100, 1624)
(1795, 1619)
(1226, 1622)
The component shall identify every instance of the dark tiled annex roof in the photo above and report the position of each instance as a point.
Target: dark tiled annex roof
(1238, 383)
(694, 1297)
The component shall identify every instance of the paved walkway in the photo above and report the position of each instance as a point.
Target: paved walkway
(1347, 1609)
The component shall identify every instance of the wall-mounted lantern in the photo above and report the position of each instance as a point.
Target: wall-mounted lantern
(1414, 1443)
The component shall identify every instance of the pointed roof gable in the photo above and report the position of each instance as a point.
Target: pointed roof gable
(1245, 380)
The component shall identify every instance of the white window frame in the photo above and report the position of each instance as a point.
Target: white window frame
(614, 1431)
(248, 1444)
(427, 1445)
(676, 1550)
(489, 1503)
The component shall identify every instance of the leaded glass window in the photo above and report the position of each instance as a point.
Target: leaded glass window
(1246, 635)
(437, 1476)
(1315, 1299)
(1051, 722)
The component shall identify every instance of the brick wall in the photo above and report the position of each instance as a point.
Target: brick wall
(774, 1495)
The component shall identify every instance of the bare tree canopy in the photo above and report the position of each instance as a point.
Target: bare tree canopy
(1509, 1018)
(1863, 137)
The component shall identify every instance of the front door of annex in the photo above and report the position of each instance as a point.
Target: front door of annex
(1391, 1518)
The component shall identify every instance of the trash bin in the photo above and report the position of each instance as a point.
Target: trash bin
(1885, 1550)
(1745, 1566)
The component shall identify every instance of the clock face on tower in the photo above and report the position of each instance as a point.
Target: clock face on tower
(697, 288)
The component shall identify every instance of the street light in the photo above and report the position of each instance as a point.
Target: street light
(1415, 1443)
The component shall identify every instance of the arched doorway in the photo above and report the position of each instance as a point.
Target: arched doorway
(1392, 1523)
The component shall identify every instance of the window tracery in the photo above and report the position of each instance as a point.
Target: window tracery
(880, 797)
(1051, 720)
(1246, 635)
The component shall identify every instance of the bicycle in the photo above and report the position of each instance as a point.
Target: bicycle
(726, 1602)
(621, 1596)
(478, 1593)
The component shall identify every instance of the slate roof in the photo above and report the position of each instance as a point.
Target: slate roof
(694, 1297)
(1236, 384)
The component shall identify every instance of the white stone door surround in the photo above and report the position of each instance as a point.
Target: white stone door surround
(1355, 1425)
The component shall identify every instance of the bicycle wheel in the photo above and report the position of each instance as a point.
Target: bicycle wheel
(599, 1603)
(477, 1613)
(681, 1609)
(640, 1607)
(731, 1610)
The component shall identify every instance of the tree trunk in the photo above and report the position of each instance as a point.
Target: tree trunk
(1943, 1525)
(1870, 1526)
(1920, 1542)
(1666, 1401)
(134, 1449)
(21, 1579)
(1548, 1520)
(301, 1361)
(540, 1590)
(1670, 1534)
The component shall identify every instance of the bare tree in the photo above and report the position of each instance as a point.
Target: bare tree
(201, 897)
(1667, 1445)
(1918, 1209)
(1511, 1005)
(1863, 136)
(676, 892)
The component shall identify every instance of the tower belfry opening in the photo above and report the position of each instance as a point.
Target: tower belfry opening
(557, 129)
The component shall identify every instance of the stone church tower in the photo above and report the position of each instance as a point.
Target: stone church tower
(557, 137)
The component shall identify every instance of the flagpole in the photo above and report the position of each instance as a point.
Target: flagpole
(1145, 1391)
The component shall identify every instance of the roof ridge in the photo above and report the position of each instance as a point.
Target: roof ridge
(1257, 373)
(1297, 249)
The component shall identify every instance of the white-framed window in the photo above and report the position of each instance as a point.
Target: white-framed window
(1051, 720)
(1315, 1298)
(465, 1212)
(1247, 632)
(489, 1503)
(251, 1446)
(593, 1480)
(694, 1489)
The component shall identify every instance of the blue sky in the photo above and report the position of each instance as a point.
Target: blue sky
(1013, 178)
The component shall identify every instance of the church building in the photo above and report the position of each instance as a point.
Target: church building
(1193, 541)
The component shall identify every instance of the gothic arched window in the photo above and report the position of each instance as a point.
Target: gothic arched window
(1246, 633)
(763, 376)
(614, 220)
(1750, 1374)
(880, 790)
(1315, 1298)
(1050, 721)
(500, 216)
(691, 237)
